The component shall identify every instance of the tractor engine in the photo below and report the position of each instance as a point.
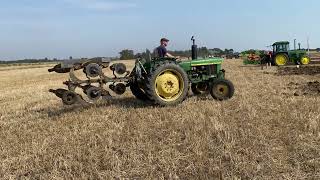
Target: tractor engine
(205, 70)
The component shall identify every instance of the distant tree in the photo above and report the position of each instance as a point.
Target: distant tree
(142, 55)
(228, 51)
(203, 52)
(250, 51)
(216, 52)
(138, 55)
(186, 53)
(126, 54)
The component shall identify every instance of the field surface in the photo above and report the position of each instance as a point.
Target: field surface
(269, 130)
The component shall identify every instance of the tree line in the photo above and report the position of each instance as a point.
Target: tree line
(128, 54)
(30, 61)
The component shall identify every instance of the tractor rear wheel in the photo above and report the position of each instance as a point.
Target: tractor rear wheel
(167, 84)
(281, 59)
(138, 92)
(305, 60)
(222, 89)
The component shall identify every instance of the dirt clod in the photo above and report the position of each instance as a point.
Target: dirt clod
(311, 88)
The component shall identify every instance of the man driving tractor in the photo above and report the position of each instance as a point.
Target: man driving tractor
(161, 51)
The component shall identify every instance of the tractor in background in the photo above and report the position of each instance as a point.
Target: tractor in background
(161, 81)
(282, 54)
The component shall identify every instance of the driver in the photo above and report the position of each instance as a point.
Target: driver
(161, 51)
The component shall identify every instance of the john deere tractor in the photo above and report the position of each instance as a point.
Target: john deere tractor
(161, 81)
(282, 54)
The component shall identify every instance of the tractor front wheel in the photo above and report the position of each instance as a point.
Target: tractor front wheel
(222, 89)
(305, 60)
(167, 85)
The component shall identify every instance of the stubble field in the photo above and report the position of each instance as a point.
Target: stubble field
(269, 130)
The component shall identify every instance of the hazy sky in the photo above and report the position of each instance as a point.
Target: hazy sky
(89, 28)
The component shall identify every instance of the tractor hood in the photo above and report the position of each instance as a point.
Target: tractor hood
(187, 65)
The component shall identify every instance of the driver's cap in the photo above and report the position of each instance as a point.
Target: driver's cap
(164, 39)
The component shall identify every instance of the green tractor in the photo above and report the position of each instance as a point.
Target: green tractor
(282, 54)
(161, 81)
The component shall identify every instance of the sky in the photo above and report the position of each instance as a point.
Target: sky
(91, 28)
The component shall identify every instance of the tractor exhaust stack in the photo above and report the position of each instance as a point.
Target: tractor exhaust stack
(194, 49)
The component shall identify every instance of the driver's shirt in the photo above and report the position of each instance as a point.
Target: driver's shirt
(162, 51)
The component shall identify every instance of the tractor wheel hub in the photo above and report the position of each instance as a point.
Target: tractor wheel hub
(167, 85)
(305, 60)
(222, 90)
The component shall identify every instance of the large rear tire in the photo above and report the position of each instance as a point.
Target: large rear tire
(222, 89)
(167, 84)
(281, 59)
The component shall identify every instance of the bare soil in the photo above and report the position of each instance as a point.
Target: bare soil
(302, 70)
(311, 88)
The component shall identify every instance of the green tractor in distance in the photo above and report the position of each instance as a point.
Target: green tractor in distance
(282, 54)
(161, 81)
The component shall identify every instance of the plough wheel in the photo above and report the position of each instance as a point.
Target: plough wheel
(138, 92)
(69, 98)
(199, 88)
